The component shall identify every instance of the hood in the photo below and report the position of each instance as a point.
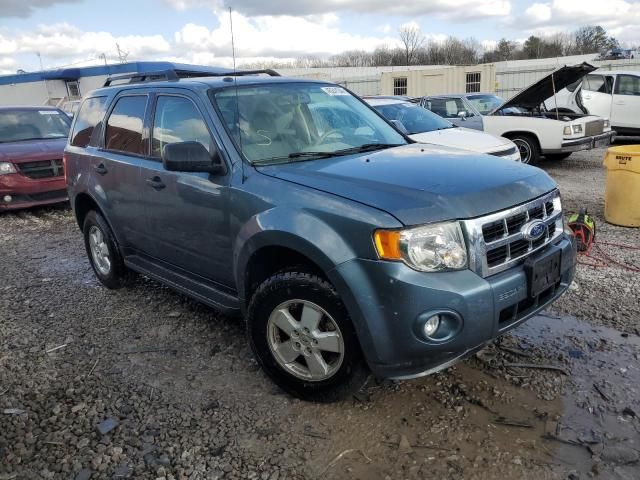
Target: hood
(534, 95)
(464, 138)
(421, 183)
(31, 150)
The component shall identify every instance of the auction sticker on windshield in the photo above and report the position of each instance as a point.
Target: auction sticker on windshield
(47, 112)
(334, 91)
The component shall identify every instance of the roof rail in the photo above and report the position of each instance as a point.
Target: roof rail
(173, 75)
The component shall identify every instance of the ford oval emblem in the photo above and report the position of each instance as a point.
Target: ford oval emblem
(534, 230)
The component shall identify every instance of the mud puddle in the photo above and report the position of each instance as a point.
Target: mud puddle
(486, 418)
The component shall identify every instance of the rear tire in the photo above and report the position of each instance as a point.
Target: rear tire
(302, 336)
(557, 156)
(528, 147)
(103, 252)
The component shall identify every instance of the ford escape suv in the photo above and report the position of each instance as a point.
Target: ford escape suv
(346, 247)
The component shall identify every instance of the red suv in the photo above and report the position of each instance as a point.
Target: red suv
(32, 141)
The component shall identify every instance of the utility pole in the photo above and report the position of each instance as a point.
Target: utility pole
(104, 57)
(40, 58)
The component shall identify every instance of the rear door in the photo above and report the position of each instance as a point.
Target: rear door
(116, 168)
(626, 102)
(186, 213)
(596, 94)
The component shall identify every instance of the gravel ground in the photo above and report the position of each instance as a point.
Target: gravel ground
(145, 383)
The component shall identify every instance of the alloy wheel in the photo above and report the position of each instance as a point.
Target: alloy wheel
(305, 340)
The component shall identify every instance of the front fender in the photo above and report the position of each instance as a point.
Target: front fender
(298, 230)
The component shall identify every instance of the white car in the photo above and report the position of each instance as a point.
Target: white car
(426, 127)
(614, 94)
(525, 119)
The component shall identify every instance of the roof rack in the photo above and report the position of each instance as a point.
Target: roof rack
(173, 75)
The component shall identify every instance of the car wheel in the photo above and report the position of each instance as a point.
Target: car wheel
(303, 338)
(528, 148)
(557, 156)
(103, 252)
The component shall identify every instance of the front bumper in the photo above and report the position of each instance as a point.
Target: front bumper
(26, 192)
(387, 298)
(585, 143)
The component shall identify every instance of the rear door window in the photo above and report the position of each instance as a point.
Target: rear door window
(177, 119)
(124, 126)
(91, 113)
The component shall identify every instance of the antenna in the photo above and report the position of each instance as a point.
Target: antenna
(235, 84)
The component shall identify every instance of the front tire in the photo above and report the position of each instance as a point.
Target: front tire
(103, 252)
(528, 148)
(302, 336)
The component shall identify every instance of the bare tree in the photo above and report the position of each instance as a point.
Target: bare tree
(412, 40)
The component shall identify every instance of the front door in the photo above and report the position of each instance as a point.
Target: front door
(626, 102)
(187, 214)
(596, 94)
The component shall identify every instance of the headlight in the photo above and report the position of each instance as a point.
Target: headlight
(606, 124)
(567, 130)
(430, 248)
(577, 129)
(7, 167)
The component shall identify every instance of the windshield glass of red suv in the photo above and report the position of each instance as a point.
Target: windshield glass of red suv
(26, 124)
(286, 122)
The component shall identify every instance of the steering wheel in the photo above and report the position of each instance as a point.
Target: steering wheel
(329, 133)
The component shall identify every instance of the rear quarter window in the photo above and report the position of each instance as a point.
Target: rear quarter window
(90, 114)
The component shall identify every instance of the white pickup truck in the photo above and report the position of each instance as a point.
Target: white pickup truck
(614, 94)
(525, 120)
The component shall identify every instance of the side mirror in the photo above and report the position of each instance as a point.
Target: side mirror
(398, 124)
(462, 115)
(191, 157)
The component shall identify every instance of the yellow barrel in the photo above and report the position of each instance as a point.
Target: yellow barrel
(622, 192)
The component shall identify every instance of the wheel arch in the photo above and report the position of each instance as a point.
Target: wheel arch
(270, 242)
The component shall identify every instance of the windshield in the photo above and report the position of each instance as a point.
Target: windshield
(485, 103)
(20, 125)
(414, 118)
(282, 122)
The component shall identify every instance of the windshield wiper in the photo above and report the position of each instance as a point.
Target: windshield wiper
(367, 147)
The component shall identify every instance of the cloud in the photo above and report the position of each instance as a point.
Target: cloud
(619, 17)
(275, 36)
(62, 42)
(450, 9)
(24, 8)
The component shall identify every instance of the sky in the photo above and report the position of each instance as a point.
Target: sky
(55, 33)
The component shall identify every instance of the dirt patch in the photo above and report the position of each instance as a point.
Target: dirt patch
(182, 397)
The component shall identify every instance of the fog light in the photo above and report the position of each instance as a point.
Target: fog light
(7, 198)
(431, 326)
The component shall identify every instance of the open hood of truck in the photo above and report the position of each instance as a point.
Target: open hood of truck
(421, 183)
(534, 95)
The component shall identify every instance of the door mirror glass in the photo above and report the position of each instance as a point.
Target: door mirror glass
(191, 157)
(462, 115)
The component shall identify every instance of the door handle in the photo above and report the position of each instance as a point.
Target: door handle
(588, 97)
(156, 183)
(101, 169)
(619, 103)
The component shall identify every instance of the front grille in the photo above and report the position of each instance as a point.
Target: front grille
(595, 127)
(42, 169)
(505, 153)
(497, 240)
(523, 308)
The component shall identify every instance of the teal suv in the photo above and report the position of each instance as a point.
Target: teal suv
(345, 247)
